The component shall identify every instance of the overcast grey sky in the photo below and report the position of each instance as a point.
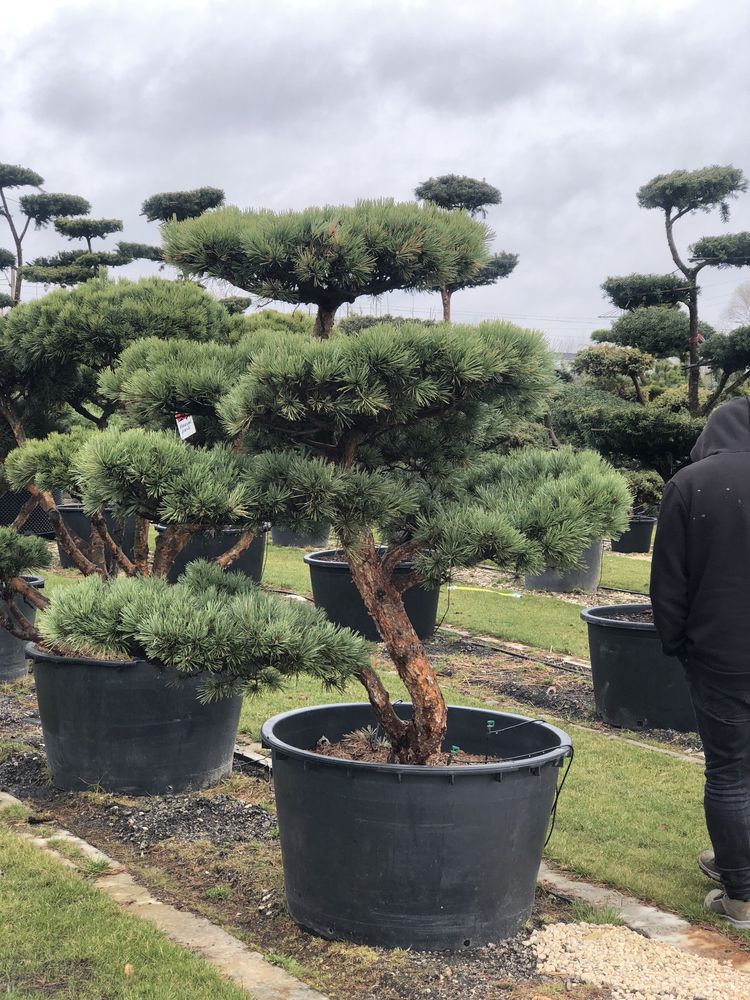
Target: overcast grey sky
(567, 107)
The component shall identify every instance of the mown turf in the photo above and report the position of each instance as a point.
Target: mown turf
(61, 937)
(623, 572)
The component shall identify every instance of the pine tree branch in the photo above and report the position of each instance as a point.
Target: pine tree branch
(30, 594)
(25, 513)
(243, 543)
(99, 524)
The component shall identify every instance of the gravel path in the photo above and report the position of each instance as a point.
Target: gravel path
(632, 966)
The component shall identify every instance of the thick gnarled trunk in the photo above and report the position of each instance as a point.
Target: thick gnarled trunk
(417, 741)
(324, 321)
(445, 295)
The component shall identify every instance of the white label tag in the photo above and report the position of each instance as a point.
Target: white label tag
(185, 425)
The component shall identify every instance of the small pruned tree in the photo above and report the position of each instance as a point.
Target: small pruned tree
(684, 192)
(728, 356)
(661, 331)
(453, 192)
(634, 291)
(331, 255)
(181, 204)
(391, 434)
(41, 209)
(608, 362)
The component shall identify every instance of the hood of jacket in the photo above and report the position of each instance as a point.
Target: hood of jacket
(727, 429)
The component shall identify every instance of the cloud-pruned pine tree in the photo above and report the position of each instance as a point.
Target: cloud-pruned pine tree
(385, 435)
(331, 255)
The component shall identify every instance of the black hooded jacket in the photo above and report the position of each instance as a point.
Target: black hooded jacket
(700, 574)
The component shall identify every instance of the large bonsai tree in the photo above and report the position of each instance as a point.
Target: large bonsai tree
(681, 193)
(331, 255)
(388, 435)
(467, 194)
(41, 209)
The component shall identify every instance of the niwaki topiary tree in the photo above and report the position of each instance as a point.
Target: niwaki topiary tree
(41, 209)
(331, 255)
(684, 192)
(467, 194)
(389, 435)
(608, 363)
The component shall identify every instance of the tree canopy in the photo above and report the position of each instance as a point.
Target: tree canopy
(659, 330)
(181, 204)
(451, 191)
(331, 255)
(633, 291)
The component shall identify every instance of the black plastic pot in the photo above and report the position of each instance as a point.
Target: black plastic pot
(635, 685)
(430, 858)
(210, 544)
(11, 504)
(12, 650)
(586, 577)
(638, 536)
(335, 592)
(76, 520)
(300, 540)
(130, 727)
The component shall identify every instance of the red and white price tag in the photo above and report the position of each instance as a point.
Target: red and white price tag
(185, 425)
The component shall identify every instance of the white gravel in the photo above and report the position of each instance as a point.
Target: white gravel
(632, 966)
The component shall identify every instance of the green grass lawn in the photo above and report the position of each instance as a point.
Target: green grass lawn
(625, 573)
(61, 937)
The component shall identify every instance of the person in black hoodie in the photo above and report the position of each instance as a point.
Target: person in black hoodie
(700, 592)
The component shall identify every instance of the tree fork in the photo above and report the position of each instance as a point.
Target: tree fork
(423, 736)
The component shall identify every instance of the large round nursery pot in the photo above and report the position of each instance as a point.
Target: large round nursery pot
(130, 726)
(395, 855)
(335, 592)
(76, 520)
(635, 685)
(638, 536)
(301, 540)
(585, 577)
(12, 650)
(210, 544)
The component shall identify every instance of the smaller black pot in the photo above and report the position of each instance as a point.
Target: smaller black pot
(335, 592)
(130, 726)
(210, 544)
(77, 521)
(300, 539)
(12, 650)
(586, 577)
(638, 536)
(635, 685)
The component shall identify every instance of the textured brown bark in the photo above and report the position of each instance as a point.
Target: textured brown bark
(25, 513)
(169, 544)
(100, 526)
(638, 390)
(17, 623)
(140, 546)
(8, 410)
(30, 594)
(227, 559)
(691, 275)
(424, 734)
(69, 541)
(324, 322)
(445, 295)
(395, 729)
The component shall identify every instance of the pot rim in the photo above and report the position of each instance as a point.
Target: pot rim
(229, 529)
(641, 518)
(37, 582)
(38, 655)
(598, 616)
(341, 565)
(536, 760)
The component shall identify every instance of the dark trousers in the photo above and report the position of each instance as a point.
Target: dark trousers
(722, 707)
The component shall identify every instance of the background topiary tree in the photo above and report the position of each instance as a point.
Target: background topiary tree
(390, 435)
(611, 364)
(467, 194)
(71, 267)
(684, 192)
(331, 255)
(41, 209)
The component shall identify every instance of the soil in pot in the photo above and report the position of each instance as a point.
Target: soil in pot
(585, 578)
(430, 858)
(300, 539)
(638, 536)
(12, 650)
(635, 685)
(77, 521)
(210, 544)
(130, 726)
(335, 592)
